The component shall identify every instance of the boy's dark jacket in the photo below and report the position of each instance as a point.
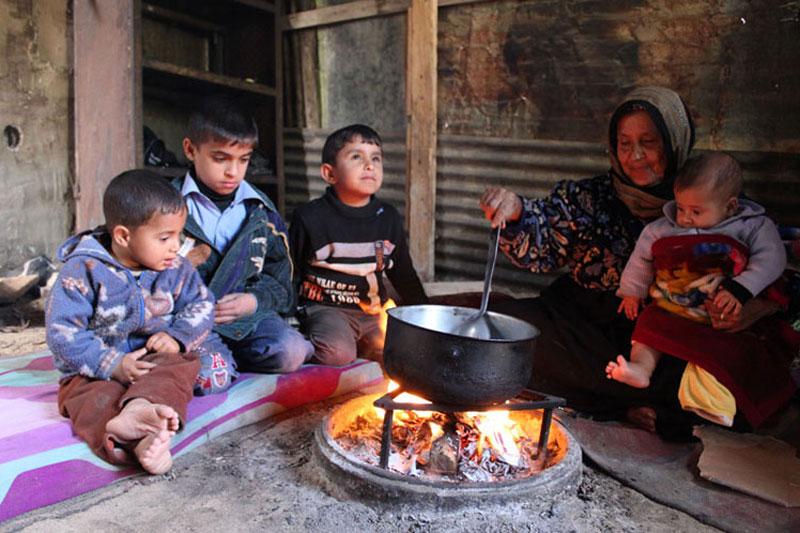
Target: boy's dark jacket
(257, 261)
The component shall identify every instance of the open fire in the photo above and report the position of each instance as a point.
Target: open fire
(487, 446)
(403, 451)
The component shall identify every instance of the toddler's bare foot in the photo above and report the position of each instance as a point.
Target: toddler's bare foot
(140, 418)
(628, 372)
(153, 452)
(643, 417)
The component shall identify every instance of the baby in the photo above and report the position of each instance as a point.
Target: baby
(706, 202)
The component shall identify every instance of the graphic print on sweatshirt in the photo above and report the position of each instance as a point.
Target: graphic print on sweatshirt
(346, 273)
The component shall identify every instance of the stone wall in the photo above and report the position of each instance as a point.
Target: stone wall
(34, 118)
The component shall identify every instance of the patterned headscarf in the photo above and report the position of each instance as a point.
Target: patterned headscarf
(674, 121)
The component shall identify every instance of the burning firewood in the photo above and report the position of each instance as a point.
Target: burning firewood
(472, 446)
(444, 454)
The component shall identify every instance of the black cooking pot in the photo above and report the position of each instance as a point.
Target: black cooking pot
(427, 356)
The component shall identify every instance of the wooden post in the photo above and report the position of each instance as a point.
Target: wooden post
(421, 134)
(108, 136)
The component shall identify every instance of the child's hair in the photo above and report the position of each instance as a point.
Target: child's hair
(221, 118)
(716, 170)
(340, 137)
(132, 197)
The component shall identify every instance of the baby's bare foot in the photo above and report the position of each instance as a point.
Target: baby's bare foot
(140, 418)
(153, 452)
(643, 417)
(629, 373)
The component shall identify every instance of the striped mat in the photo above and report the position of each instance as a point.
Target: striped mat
(42, 462)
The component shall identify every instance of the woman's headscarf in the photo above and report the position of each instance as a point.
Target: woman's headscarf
(674, 121)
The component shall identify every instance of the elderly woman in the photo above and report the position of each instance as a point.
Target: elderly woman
(590, 227)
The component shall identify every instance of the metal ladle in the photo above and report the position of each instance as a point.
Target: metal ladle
(479, 325)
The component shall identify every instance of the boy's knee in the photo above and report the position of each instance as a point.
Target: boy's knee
(286, 361)
(294, 351)
(332, 353)
(283, 355)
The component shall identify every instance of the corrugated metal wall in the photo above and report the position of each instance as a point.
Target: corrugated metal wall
(467, 165)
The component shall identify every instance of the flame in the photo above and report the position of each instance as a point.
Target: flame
(500, 433)
(404, 397)
(382, 311)
(497, 431)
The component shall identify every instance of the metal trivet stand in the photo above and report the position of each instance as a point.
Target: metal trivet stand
(527, 400)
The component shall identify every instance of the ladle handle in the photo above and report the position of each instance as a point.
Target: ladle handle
(494, 244)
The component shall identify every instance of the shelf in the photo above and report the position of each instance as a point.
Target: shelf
(257, 4)
(182, 19)
(194, 75)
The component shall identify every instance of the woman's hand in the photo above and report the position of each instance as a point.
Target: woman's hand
(500, 206)
(752, 311)
(233, 305)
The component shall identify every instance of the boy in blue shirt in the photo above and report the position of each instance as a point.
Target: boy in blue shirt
(126, 322)
(238, 241)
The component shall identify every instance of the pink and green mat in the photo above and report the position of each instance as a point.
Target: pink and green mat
(42, 462)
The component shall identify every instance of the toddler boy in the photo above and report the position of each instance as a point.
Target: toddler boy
(706, 202)
(342, 244)
(237, 240)
(126, 322)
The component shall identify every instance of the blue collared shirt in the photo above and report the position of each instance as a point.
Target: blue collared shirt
(219, 227)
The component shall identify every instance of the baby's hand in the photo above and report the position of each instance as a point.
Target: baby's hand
(629, 305)
(727, 303)
(129, 367)
(163, 343)
(233, 305)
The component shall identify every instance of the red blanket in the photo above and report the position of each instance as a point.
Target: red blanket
(753, 364)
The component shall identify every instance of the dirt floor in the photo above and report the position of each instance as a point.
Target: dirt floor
(263, 478)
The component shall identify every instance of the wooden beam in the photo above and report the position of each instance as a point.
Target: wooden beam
(258, 4)
(421, 134)
(107, 135)
(309, 76)
(182, 19)
(350, 11)
(343, 12)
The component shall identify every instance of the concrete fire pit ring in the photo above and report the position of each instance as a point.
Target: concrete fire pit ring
(349, 478)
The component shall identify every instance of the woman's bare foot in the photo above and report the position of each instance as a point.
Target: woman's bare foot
(642, 417)
(628, 372)
(140, 418)
(152, 452)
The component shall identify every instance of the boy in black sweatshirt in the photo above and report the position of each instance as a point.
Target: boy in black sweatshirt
(342, 243)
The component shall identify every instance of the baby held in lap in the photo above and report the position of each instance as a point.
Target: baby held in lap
(706, 202)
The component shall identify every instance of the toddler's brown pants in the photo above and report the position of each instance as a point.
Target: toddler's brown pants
(91, 403)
